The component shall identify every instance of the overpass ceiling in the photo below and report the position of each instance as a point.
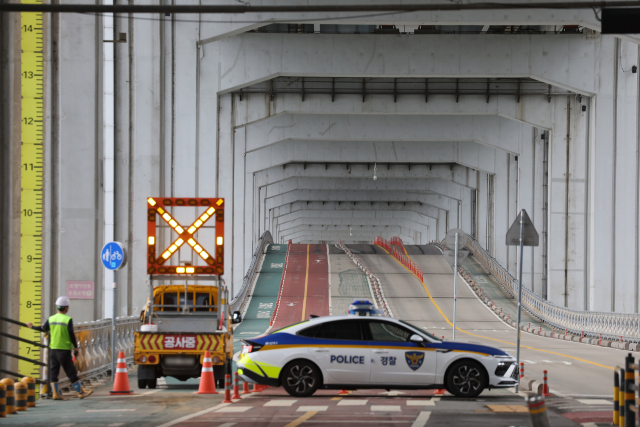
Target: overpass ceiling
(395, 87)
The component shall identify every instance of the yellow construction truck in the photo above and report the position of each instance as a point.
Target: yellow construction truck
(187, 311)
(179, 325)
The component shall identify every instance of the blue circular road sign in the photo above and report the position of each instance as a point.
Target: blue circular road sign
(114, 256)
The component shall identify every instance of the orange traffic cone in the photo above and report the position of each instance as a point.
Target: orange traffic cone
(207, 381)
(121, 383)
(343, 391)
(245, 388)
(439, 392)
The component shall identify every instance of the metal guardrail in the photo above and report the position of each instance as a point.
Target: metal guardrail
(610, 326)
(239, 300)
(94, 343)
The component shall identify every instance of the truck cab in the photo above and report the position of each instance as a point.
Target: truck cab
(180, 323)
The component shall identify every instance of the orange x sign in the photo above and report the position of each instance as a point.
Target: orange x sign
(157, 206)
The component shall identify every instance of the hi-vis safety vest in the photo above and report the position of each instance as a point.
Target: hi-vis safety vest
(59, 329)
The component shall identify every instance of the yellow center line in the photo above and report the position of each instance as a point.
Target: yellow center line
(301, 419)
(306, 283)
(494, 339)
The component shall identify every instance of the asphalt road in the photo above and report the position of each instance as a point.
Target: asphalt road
(574, 369)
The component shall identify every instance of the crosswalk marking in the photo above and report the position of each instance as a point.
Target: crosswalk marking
(312, 408)
(386, 408)
(420, 402)
(421, 419)
(351, 402)
(280, 403)
(234, 409)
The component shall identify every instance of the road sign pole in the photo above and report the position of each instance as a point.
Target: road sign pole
(113, 335)
(455, 283)
(520, 293)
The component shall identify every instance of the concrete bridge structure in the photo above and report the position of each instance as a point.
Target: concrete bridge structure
(290, 117)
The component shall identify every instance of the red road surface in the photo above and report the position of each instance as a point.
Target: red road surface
(306, 286)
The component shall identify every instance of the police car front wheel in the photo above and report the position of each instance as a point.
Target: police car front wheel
(466, 378)
(301, 378)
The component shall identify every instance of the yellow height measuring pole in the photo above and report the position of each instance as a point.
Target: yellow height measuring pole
(31, 175)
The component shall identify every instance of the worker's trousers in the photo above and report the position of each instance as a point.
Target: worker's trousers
(62, 358)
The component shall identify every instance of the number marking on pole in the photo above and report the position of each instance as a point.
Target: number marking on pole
(31, 183)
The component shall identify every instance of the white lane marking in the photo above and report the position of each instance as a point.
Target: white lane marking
(248, 333)
(435, 399)
(312, 408)
(589, 424)
(421, 419)
(594, 401)
(385, 408)
(110, 410)
(557, 393)
(420, 402)
(234, 409)
(115, 425)
(351, 402)
(227, 425)
(392, 393)
(329, 278)
(280, 403)
(197, 414)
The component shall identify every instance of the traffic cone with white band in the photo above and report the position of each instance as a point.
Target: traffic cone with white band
(207, 381)
(121, 383)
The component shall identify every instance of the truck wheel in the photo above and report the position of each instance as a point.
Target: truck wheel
(142, 384)
(301, 378)
(466, 378)
(152, 383)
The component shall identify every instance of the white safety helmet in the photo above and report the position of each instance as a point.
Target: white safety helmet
(62, 301)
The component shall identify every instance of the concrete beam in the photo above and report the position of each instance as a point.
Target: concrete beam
(454, 173)
(492, 131)
(532, 110)
(433, 186)
(466, 153)
(560, 60)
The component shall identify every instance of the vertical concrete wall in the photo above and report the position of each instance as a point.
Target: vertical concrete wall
(180, 132)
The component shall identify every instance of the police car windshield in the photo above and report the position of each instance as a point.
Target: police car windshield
(433, 337)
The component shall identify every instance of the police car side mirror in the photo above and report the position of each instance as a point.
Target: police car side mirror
(236, 317)
(416, 339)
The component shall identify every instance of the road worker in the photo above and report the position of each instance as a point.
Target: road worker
(61, 344)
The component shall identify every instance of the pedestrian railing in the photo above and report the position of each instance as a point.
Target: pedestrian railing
(607, 325)
(94, 343)
(240, 298)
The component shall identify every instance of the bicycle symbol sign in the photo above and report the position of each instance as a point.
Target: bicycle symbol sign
(113, 256)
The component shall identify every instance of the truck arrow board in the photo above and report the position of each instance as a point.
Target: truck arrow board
(163, 210)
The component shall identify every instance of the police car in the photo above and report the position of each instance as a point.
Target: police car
(362, 350)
